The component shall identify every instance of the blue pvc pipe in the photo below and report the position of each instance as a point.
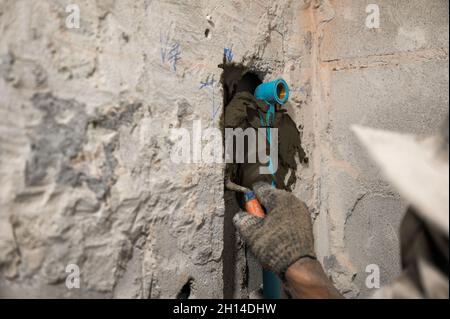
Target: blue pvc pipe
(271, 92)
(271, 285)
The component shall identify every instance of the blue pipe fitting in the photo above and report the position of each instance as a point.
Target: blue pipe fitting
(273, 92)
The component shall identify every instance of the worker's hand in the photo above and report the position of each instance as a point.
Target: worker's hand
(284, 235)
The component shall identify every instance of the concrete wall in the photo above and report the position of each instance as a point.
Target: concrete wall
(85, 174)
(395, 78)
(85, 118)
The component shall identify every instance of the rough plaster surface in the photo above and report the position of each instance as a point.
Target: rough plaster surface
(85, 119)
(85, 174)
(394, 78)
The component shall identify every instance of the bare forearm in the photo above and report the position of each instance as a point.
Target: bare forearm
(307, 280)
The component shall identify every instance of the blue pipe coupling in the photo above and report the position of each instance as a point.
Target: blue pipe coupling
(273, 92)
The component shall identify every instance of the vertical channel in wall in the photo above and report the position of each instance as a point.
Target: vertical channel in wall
(241, 272)
(235, 77)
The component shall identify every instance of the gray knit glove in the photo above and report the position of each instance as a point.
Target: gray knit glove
(281, 238)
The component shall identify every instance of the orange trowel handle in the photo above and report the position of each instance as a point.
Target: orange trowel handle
(252, 205)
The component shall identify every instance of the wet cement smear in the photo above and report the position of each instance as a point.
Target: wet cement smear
(242, 110)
